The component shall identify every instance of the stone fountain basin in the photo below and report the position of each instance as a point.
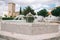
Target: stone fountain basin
(15, 36)
(29, 28)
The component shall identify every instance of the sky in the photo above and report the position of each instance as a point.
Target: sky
(35, 4)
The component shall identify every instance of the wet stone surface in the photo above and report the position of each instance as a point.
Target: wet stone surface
(9, 38)
(6, 38)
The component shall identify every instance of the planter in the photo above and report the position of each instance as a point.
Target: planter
(29, 19)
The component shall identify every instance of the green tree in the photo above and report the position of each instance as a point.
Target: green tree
(43, 13)
(20, 11)
(27, 10)
(56, 11)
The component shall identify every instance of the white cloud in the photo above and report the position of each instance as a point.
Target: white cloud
(57, 4)
(1, 7)
(17, 7)
(35, 4)
(38, 7)
(46, 6)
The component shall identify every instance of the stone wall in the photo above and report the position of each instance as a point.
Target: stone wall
(6, 38)
(29, 28)
(10, 38)
(38, 28)
(55, 38)
(0, 25)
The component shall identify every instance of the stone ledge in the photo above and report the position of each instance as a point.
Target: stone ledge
(30, 37)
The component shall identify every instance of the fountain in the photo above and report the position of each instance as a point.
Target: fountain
(29, 31)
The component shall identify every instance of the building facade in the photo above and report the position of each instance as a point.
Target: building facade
(11, 10)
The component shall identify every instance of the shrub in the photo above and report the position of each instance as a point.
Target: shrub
(4, 18)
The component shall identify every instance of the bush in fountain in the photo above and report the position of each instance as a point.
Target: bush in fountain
(29, 18)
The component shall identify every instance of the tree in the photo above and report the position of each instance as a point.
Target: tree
(43, 13)
(20, 11)
(27, 10)
(56, 11)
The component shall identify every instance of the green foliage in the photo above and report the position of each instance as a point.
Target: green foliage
(56, 11)
(27, 10)
(43, 13)
(5, 18)
(20, 11)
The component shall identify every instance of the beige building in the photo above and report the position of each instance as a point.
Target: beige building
(11, 10)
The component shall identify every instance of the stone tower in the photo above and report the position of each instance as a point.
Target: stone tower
(11, 9)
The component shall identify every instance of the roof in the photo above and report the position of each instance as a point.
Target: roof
(11, 3)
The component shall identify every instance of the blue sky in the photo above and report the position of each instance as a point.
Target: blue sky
(35, 4)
